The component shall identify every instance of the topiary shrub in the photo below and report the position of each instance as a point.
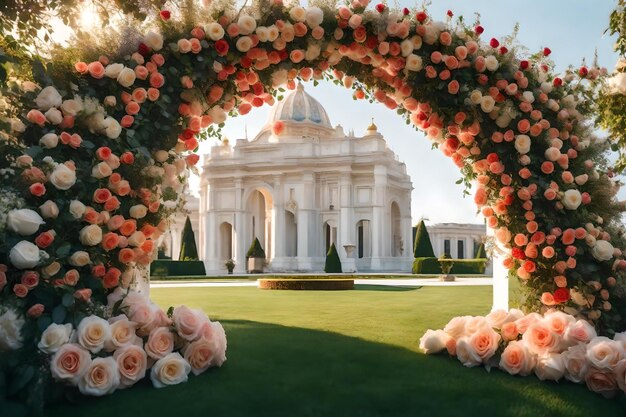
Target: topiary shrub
(333, 263)
(256, 250)
(426, 265)
(422, 248)
(481, 253)
(469, 266)
(188, 249)
(306, 284)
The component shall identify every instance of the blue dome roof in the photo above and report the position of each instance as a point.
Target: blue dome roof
(299, 106)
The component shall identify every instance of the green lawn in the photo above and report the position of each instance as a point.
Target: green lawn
(344, 354)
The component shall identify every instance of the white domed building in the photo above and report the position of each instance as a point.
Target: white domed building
(303, 189)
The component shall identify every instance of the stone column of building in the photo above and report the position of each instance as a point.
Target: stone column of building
(211, 261)
(239, 251)
(407, 234)
(202, 211)
(379, 220)
(346, 227)
(306, 239)
(278, 223)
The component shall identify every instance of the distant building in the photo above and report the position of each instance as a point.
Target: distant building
(459, 240)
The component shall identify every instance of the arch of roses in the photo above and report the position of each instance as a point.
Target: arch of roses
(99, 151)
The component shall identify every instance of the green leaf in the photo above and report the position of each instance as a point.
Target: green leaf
(88, 144)
(58, 314)
(23, 377)
(68, 300)
(64, 250)
(33, 151)
(43, 322)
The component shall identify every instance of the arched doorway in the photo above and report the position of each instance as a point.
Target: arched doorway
(259, 208)
(291, 235)
(225, 241)
(396, 233)
(363, 243)
(330, 235)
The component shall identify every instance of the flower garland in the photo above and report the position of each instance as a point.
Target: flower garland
(105, 146)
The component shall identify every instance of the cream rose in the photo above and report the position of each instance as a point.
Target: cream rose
(132, 363)
(62, 177)
(11, 325)
(199, 354)
(297, 14)
(122, 333)
(550, 367)
(522, 144)
(188, 322)
(517, 359)
(160, 343)
(138, 211)
(433, 341)
(113, 70)
(101, 170)
(414, 63)
(620, 373)
(603, 250)
(102, 377)
(491, 62)
(79, 258)
(55, 336)
(49, 141)
(24, 222)
(72, 107)
(246, 24)
(571, 199)
(70, 363)
(244, 44)
(456, 327)
(77, 209)
(49, 210)
(93, 332)
(314, 16)
(487, 103)
(126, 77)
(214, 31)
(54, 116)
(604, 353)
(576, 365)
(24, 255)
(47, 98)
(170, 370)
(111, 127)
(218, 337)
(154, 40)
(466, 353)
(90, 235)
(602, 382)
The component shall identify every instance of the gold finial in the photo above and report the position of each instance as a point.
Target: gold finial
(225, 142)
(372, 127)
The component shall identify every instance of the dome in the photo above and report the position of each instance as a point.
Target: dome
(299, 106)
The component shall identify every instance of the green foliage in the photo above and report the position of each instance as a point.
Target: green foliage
(423, 248)
(188, 249)
(256, 250)
(426, 265)
(333, 263)
(168, 268)
(469, 266)
(306, 284)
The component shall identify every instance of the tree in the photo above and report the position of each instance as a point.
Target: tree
(188, 249)
(333, 263)
(423, 248)
(480, 252)
(256, 250)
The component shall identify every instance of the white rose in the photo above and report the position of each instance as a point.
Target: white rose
(550, 366)
(28, 86)
(170, 370)
(154, 40)
(47, 98)
(312, 52)
(314, 17)
(70, 363)
(102, 170)
(24, 222)
(112, 128)
(102, 377)
(161, 156)
(604, 353)
(126, 77)
(62, 177)
(546, 87)
(113, 70)
(272, 33)
(297, 14)
(17, 126)
(218, 335)
(90, 235)
(528, 97)
(244, 44)
(571, 199)
(487, 103)
(522, 144)
(491, 62)
(113, 161)
(466, 353)
(406, 47)
(71, 107)
(55, 336)
(552, 153)
(77, 209)
(217, 114)
(214, 31)
(49, 141)
(414, 63)
(54, 116)
(49, 210)
(433, 341)
(110, 101)
(93, 332)
(11, 330)
(24, 255)
(476, 97)
(602, 250)
(279, 77)
(79, 258)
(138, 211)
(246, 24)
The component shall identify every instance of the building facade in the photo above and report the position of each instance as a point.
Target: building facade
(459, 240)
(301, 185)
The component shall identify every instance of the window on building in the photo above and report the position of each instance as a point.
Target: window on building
(446, 247)
(460, 249)
(363, 239)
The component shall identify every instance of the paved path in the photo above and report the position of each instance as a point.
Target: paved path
(390, 282)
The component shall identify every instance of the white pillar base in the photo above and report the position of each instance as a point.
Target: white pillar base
(500, 280)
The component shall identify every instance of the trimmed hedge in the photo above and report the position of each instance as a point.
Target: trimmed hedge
(162, 268)
(469, 266)
(306, 284)
(422, 247)
(255, 250)
(188, 249)
(481, 253)
(426, 265)
(333, 263)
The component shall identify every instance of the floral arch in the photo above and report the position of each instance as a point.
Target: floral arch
(97, 152)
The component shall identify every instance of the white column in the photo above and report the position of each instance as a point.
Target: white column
(306, 236)
(278, 236)
(379, 233)
(500, 277)
(239, 225)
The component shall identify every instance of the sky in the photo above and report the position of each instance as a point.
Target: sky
(572, 29)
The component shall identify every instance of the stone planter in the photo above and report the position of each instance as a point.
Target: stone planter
(255, 265)
(447, 278)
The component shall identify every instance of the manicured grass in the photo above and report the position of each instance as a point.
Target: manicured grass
(345, 353)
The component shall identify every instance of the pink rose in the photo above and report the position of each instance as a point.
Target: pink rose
(199, 354)
(466, 353)
(36, 117)
(517, 359)
(433, 341)
(188, 322)
(576, 365)
(132, 362)
(485, 343)
(160, 343)
(456, 327)
(604, 353)
(620, 373)
(602, 382)
(550, 367)
(70, 363)
(540, 339)
(558, 322)
(580, 332)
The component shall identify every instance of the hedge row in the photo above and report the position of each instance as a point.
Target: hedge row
(429, 265)
(163, 268)
(306, 284)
